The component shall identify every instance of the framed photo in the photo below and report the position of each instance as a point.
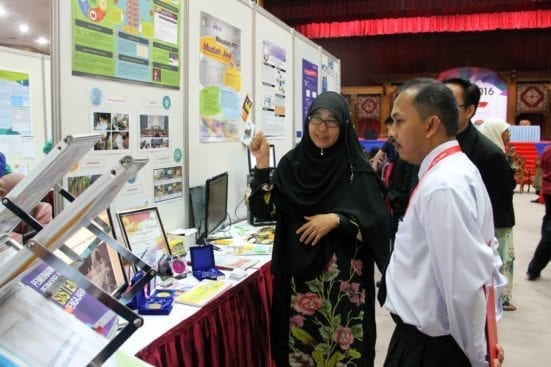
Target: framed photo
(102, 265)
(144, 234)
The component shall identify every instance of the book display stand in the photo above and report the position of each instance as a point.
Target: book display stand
(18, 260)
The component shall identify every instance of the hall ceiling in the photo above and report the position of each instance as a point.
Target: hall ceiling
(369, 60)
(365, 60)
(34, 13)
(295, 12)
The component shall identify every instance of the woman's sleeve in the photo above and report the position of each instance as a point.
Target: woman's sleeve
(260, 199)
(348, 225)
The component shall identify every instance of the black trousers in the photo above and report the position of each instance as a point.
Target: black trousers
(542, 255)
(411, 348)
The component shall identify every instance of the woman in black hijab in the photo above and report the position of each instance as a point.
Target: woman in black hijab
(332, 223)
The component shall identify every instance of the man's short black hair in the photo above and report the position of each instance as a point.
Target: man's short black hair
(434, 98)
(471, 91)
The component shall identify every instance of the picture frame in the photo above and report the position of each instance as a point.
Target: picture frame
(144, 234)
(102, 265)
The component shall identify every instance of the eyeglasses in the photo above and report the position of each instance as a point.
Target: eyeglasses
(316, 120)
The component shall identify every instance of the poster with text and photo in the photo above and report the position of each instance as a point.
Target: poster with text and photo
(15, 110)
(167, 183)
(135, 40)
(493, 91)
(329, 74)
(220, 78)
(309, 86)
(154, 133)
(274, 79)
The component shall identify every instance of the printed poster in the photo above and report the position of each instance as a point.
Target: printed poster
(274, 79)
(220, 79)
(493, 91)
(309, 86)
(136, 40)
(329, 74)
(15, 107)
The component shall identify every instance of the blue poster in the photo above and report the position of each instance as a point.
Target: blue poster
(309, 86)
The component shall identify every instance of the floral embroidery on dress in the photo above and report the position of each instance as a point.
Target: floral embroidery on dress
(327, 317)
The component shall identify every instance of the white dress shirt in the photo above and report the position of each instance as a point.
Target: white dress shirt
(441, 258)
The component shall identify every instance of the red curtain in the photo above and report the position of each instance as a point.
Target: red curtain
(439, 23)
(232, 330)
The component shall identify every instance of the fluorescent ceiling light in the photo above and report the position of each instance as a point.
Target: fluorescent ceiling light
(23, 28)
(42, 40)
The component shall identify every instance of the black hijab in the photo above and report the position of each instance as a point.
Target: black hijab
(308, 181)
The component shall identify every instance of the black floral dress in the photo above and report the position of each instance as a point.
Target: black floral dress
(327, 316)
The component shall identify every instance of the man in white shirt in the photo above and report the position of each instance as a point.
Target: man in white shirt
(442, 258)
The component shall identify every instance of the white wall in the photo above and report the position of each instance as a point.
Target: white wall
(209, 159)
(270, 28)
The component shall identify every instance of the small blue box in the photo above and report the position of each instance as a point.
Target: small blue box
(202, 263)
(160, 302)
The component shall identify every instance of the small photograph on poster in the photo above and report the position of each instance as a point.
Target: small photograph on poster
(167, 183)
(246, 108)
(77, 184)
(156, 74)
(114, 129)
(154, 132)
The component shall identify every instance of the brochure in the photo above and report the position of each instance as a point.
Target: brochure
(202, 293)
(70, 297)
(228, 262)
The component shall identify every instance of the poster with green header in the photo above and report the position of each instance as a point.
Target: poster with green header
(15, 105)
(135, 40)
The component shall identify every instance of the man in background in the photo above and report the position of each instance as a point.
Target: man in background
(492, 163)
(542, 255)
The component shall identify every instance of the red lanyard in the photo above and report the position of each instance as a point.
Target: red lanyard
(445, 153)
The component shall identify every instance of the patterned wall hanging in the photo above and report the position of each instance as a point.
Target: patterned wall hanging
(532, 97)
(369, 106)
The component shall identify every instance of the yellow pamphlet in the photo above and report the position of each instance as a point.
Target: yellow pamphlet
(202, 293)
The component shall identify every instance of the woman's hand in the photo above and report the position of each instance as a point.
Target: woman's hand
(316, 227)
(260, 148)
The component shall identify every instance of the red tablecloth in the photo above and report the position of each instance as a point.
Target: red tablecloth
(232, 330)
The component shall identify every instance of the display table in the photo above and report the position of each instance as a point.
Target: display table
(232, 330)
